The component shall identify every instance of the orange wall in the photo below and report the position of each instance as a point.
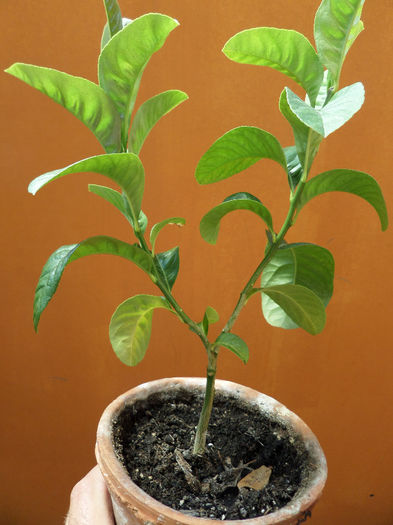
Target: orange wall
(55, 384)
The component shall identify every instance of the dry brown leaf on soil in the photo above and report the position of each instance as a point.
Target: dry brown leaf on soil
(256, 479)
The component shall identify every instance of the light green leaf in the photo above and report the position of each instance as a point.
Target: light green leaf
(294, 166)
(149, 113)
(54, 267)
(124, 168)
(337, 24)
(285, 50)
(341, 107)
(113, 197)
(84, 99)
(113, 15)
(306, 264)
(169, 264)
(302, 305)
(130, 327)
(349, 181)
(235, 344)
(235, 151)
(179, 221)
(210, 223)
(210, 317)
(124, 58)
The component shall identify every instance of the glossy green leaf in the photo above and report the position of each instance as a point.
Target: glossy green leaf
(124, 168)
(349, 181)
(106, 34)
(178, 221)
(235, 344)
(113, 197)
(341, 107)
(130, 327)
(285, 50)
(306, 264)
(84, 99)
(337, 24)
(169, 264)
(302, 305)
(54, 267)
(124, 58)
(237, 150)
(113, 15)
(149, 113)
(210, 223)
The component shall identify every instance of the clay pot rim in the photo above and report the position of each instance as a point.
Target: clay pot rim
(132, 496)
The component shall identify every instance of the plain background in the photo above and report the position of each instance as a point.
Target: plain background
(56, 384)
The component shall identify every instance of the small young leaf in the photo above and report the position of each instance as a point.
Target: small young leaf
(124, 168)
(54, 267)
(235, 344)
(130, 327)
(302, 305)
(305, 139)
(124, 58)
(106, 34)
(149, 113)
(113, 15)
(337, 25)
(306, 264)
(84, 99)
(179, 221)
(294, 166)
(210, 223)
(237, 150)
(210, 317)
(349, 181)
(341, 107)
(169, 264)
(285, 50)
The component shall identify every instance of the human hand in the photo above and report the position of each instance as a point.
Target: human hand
(90, 503)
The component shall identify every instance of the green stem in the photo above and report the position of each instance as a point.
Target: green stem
(204, 418)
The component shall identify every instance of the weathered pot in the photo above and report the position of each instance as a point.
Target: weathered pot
(132, 506)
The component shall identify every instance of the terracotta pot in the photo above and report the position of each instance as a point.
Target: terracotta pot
(133, 506)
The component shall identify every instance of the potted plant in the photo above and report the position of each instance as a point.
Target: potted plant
(276, 471)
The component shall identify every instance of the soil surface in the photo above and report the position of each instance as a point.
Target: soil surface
(154, 441)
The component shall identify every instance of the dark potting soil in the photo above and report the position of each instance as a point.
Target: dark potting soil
(153, 439)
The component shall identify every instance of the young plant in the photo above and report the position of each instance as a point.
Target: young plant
(295, 281)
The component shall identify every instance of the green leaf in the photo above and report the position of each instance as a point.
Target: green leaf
(235, 151)
(84, 99)
(285, 50)
(179, 221)
(54, 267)
(305, 139)
(305, 264)
(169, 264)
(124, 58)
(210, 317)
(341, 107)
(124, 168)
(294, 166)
(235, 344)
(302, 305)
(130, 327)
(210, 223)
(113, 197)
(337, 25)
(349, 181)
(149, 113)
(106, 34)
(113, 15)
